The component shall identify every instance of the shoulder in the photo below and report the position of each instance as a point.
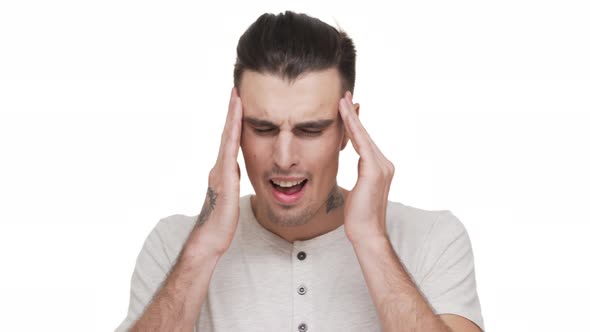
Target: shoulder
(170, 233)
(436, 251)
(415, 222)
(416, 233)
(176, 225)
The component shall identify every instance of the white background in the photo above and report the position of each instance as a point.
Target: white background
(111, 114)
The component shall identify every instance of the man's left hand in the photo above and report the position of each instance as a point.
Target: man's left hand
(366, 204)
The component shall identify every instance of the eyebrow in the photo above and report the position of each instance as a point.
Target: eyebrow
(317, 124)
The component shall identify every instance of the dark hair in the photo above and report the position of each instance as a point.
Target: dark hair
(291, 44)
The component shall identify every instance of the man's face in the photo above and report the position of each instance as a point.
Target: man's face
(291, 134)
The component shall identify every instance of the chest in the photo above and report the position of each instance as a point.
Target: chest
(258, 290)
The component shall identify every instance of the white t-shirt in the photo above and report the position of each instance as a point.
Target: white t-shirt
(265, 283)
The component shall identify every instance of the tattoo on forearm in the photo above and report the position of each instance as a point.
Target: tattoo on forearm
(208, 207)
(335, 199)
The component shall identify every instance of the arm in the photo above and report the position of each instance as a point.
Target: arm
(399, 303)
(177, 305)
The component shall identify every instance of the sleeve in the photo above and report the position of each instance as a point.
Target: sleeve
(449, 283)
(151, 269)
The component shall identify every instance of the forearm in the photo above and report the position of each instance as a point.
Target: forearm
(399, 303)
(177, 305)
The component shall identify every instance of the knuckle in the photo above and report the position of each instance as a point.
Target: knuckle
(386, 171)
(381, 175)
(390, 167)
(213, 175)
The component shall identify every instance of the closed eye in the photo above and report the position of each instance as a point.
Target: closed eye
(264, 130)
(299, 131)
(309, 132)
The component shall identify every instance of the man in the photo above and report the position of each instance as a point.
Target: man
(302, 254)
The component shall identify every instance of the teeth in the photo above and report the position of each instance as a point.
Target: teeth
(287, 184)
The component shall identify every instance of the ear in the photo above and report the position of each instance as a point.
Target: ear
(357, 108)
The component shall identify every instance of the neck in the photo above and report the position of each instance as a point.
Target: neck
(327, 218)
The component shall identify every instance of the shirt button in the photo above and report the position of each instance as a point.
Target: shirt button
(301, 255)
(302, 327)
(301, 290)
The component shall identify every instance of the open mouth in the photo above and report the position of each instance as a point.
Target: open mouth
(288, 188)
(288, 192)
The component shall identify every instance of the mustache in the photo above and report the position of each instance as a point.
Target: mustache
(276, 171)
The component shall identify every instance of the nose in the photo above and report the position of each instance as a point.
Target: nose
(285, 154)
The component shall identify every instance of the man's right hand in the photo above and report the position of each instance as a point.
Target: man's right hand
(218, 220)
(177, 304)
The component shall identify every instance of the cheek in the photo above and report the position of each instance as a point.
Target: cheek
(253, 151)
(324, 153)
(330, 145)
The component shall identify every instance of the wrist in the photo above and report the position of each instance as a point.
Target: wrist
(375, 244)
(198, 249)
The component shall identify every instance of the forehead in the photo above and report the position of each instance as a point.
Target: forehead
(311, 95)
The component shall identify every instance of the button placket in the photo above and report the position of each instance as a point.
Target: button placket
(302, 281)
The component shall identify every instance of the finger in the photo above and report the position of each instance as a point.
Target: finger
(228, 124)
(354, 129)
(235, 133)
(363, 130)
